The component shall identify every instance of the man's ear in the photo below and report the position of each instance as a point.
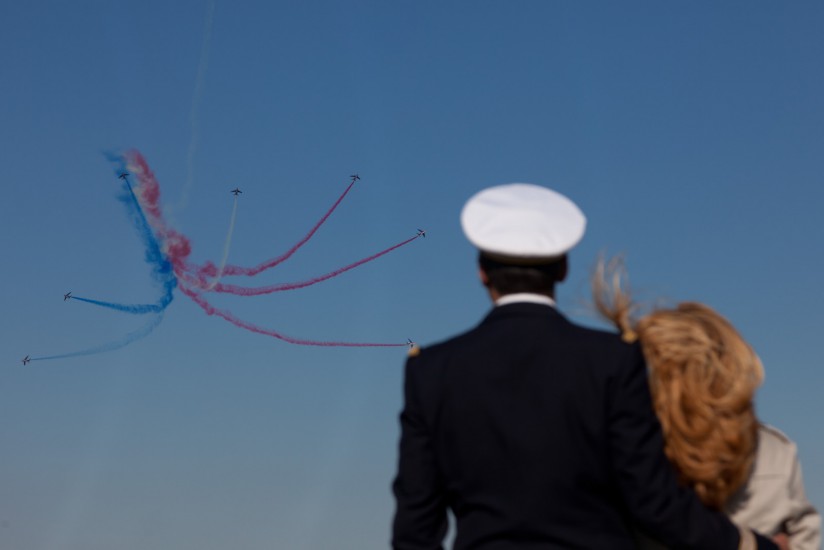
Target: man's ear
(564, 269)
(483, 276)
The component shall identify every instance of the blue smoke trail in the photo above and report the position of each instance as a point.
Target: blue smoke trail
(162, 271)
(142, 332)
(135, 309)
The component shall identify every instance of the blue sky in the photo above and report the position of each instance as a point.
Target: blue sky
(689, 133)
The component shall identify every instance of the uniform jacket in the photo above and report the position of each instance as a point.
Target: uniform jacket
(538, 433)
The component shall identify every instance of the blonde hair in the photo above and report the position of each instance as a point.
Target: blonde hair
(703, 376)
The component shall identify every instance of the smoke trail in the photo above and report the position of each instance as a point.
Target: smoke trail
(134, 309)
(167, 251)
(176, 247)
(209, 270)
(193, 118)
(161, 267)
(142, 332)
(245, 291)
(228, 316)
(226, 246)
(162, 272)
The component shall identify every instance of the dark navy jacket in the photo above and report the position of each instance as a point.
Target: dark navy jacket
(538, 433)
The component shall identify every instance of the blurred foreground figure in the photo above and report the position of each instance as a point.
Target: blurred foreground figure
(703, 377)
(537, 433)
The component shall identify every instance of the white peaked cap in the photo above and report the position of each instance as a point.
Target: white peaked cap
(522, 223)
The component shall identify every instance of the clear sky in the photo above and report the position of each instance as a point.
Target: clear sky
(690, 133)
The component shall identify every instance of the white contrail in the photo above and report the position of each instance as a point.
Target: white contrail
(193, 119)
(226, 245)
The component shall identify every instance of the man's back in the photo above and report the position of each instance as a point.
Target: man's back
(537, 434)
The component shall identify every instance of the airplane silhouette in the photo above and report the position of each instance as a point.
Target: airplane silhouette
(67, 295)
(354, 177)
(236, 191)
(123, 175)
(26, 360)
(421, 233)
(410, 342)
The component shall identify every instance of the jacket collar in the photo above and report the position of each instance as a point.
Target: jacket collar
(525, 297)
(523, 309)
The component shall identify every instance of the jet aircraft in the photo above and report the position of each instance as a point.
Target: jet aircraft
(236, 191)
(421, 233)
(123, 175)
(67, 295)
(26, 360)
(410, 343)
(354, 177)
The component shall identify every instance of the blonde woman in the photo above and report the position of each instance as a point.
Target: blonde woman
(703, 377)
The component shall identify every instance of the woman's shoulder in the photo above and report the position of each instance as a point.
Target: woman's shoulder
(776, 452)
(764, 501)
(774, 497)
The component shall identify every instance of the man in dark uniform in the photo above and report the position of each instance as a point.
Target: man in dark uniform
(537, 433)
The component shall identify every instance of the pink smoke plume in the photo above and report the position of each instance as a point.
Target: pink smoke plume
(228, 316)
(258, 291)
(210, 270)
(177, 248)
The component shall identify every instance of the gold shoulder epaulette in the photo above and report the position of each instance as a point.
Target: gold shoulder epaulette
(629, 336)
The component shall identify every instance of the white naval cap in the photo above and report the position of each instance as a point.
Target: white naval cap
(522, 223)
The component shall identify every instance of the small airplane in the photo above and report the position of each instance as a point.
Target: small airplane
(410, 343)
(123, 175)
(26, 360)
(354, 177)
(236, 191)
(421, 233)
(67, 296)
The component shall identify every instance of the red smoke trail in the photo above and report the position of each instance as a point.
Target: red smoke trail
(257, 291)
(176, 246)
(228, 316)
(210, 270)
